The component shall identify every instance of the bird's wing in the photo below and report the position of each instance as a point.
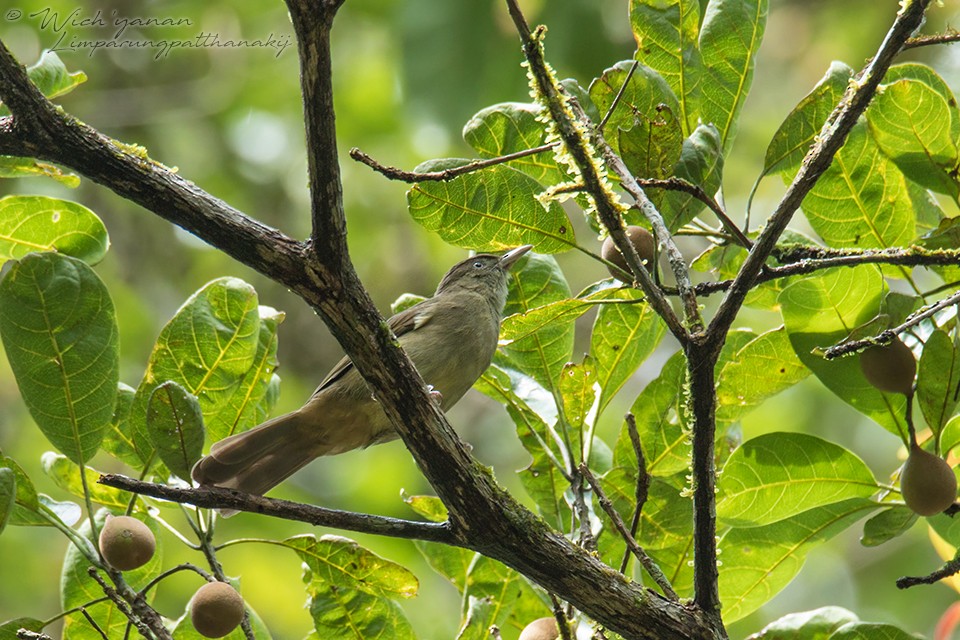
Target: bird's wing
(400, 323)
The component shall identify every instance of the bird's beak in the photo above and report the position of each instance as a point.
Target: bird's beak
(507, 259)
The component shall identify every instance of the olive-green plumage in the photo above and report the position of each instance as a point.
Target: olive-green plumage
(451, 339)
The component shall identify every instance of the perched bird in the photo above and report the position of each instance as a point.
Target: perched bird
(451, 339)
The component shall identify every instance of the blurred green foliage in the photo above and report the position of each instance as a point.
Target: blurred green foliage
(407, 75)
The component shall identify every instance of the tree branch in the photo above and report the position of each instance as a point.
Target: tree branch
(818, 159)
(886, 336)
(321, 274)
(392, 173)
(219, 498)
(570, 129)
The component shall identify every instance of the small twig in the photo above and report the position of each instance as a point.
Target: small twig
(393, 173)
(884, 337)
(646, 561)
(679, 184)
(949, 37)
(562, 624)
(145, 630)
(619, 96)
(951, 568)
(643, 484)
(219, 498)
(93, 623)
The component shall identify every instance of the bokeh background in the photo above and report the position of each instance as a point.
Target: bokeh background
(408, 75)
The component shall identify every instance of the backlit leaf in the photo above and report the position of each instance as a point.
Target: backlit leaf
(779, 475)
(666, 33)
(537, 281)
(729, 39)
(60, 333)
(760, 561)
(490, 210)
(175, 425)
(624, 335)
(822, 310)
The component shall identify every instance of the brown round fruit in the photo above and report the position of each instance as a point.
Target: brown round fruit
(126, 543)
(216, 610)
(641, 239)
(890, 367)
(541, 629)
(927, 483)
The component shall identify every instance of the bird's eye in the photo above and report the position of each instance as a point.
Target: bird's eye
(477, 265)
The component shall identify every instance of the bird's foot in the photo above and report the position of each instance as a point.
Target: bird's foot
(435, 395)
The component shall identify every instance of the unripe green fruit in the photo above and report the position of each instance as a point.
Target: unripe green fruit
(641, 239)
(890, 367)
(217, 609)
(541, 629)
(126, 543)
(927, 483)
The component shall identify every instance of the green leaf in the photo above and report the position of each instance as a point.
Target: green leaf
(510, 127)
(760, 561)
(352, 589)
(430, 507)
(887, 525)
(8, 495)
(658, 413)
(779, 475)
(871, 631)
(18, 167)
(938, 378)
(729, 39)
(644, 127)
(906, 119)
(175, 425)
(26, 502)
(340, 561)
(578, 388)
(66, 475)
(37, 223)
(481, 615)
(796, 134)
(819, 624)
(624, 335)
(514, 601)
(119, 439)
(542, 479)
(701, 163)
(862, 200)
(50, 75)
(8, 629)
(524, 323)
(60, 333)
(820, 311)
(251, 402)
(760, 370)
(77, 588)
(535, 282)
(950, 436)
(666, 32)
(208, 348)
(490, 210)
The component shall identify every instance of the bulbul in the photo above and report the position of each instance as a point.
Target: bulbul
(451, 339)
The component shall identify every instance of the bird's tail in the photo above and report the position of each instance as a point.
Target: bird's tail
(257, 460)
